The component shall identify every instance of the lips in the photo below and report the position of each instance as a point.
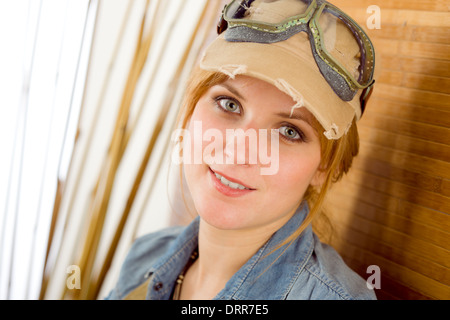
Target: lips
(229, 186)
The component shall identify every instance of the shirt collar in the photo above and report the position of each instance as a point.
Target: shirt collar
(254, 278)
(166, 269)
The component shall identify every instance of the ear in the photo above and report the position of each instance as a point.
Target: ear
(319, 178)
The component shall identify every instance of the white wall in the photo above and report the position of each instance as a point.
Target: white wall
(39, 122)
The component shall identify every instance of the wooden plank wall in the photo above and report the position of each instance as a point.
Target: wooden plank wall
(393, 209)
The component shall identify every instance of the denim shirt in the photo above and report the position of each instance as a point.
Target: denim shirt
(308, 269)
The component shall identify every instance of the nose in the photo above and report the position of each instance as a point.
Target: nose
(242, 145)
(251, 147)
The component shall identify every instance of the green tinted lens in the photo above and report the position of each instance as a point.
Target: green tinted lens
(340, 43)
(341, 48)
(346, 43)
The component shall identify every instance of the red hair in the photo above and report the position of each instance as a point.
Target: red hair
(336, 155)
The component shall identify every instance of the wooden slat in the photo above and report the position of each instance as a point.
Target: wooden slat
(405, 110)
(393, 209)
(429, 216)
(445, 187)
(409, 178)
(392, 77)
(401, 17)
(429, 99)
(412, 33)
(406, 160)
(390, 289)
(420, 147)
(381, 201)
(415, 81)
(429, 83)
(431, 34)
(408, 227)
(402, 274)
(388, 60)
(394, 238)
(400, 190)
(386, 47)
(395, 254)
(407, 128)
(424, 50)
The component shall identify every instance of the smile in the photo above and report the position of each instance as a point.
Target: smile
(228, 187)
(230, 184)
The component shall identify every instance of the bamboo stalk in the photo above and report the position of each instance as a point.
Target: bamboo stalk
(62, 191)
(22, 117)
(112, 161)
(134, 122)
(213, 20)
(171, 90)
(61, 185)
(95, 285)
(139, 176)
(56, 206)
(159, 13)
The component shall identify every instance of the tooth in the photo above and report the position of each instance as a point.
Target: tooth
(233, 185)
(229, 183)
(224, 181)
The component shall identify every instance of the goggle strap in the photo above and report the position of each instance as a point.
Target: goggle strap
(366, 93)
(223, 24)
(365, 96)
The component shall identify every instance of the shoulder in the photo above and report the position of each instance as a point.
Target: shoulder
(327, 277)
(144, 253)
(153, 244)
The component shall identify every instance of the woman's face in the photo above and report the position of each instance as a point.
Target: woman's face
(244, 198)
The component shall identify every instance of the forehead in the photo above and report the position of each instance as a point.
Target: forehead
(252, 89)
(248, 83)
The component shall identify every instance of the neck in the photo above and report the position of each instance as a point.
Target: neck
(224, 252)
(221, 254)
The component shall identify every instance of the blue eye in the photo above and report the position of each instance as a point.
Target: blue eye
(291, 133)
(228, 104)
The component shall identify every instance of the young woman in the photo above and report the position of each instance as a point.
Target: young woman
(293, 77)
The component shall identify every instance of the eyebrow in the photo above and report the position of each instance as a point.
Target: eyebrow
(233, 90)
(295, 115)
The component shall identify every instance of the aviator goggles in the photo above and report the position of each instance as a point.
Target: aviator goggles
(313, 18)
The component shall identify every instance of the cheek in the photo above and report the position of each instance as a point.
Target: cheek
(296, 172)
(204, 120)
(205, 112)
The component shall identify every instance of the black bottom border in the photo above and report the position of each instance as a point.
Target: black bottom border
(219, 309)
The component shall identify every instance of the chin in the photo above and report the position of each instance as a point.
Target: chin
(224, 216)
(216, 209)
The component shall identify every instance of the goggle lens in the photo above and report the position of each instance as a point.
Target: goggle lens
(337, 39)
(341, 34)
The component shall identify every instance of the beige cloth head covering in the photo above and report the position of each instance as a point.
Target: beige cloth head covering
(290, 65)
